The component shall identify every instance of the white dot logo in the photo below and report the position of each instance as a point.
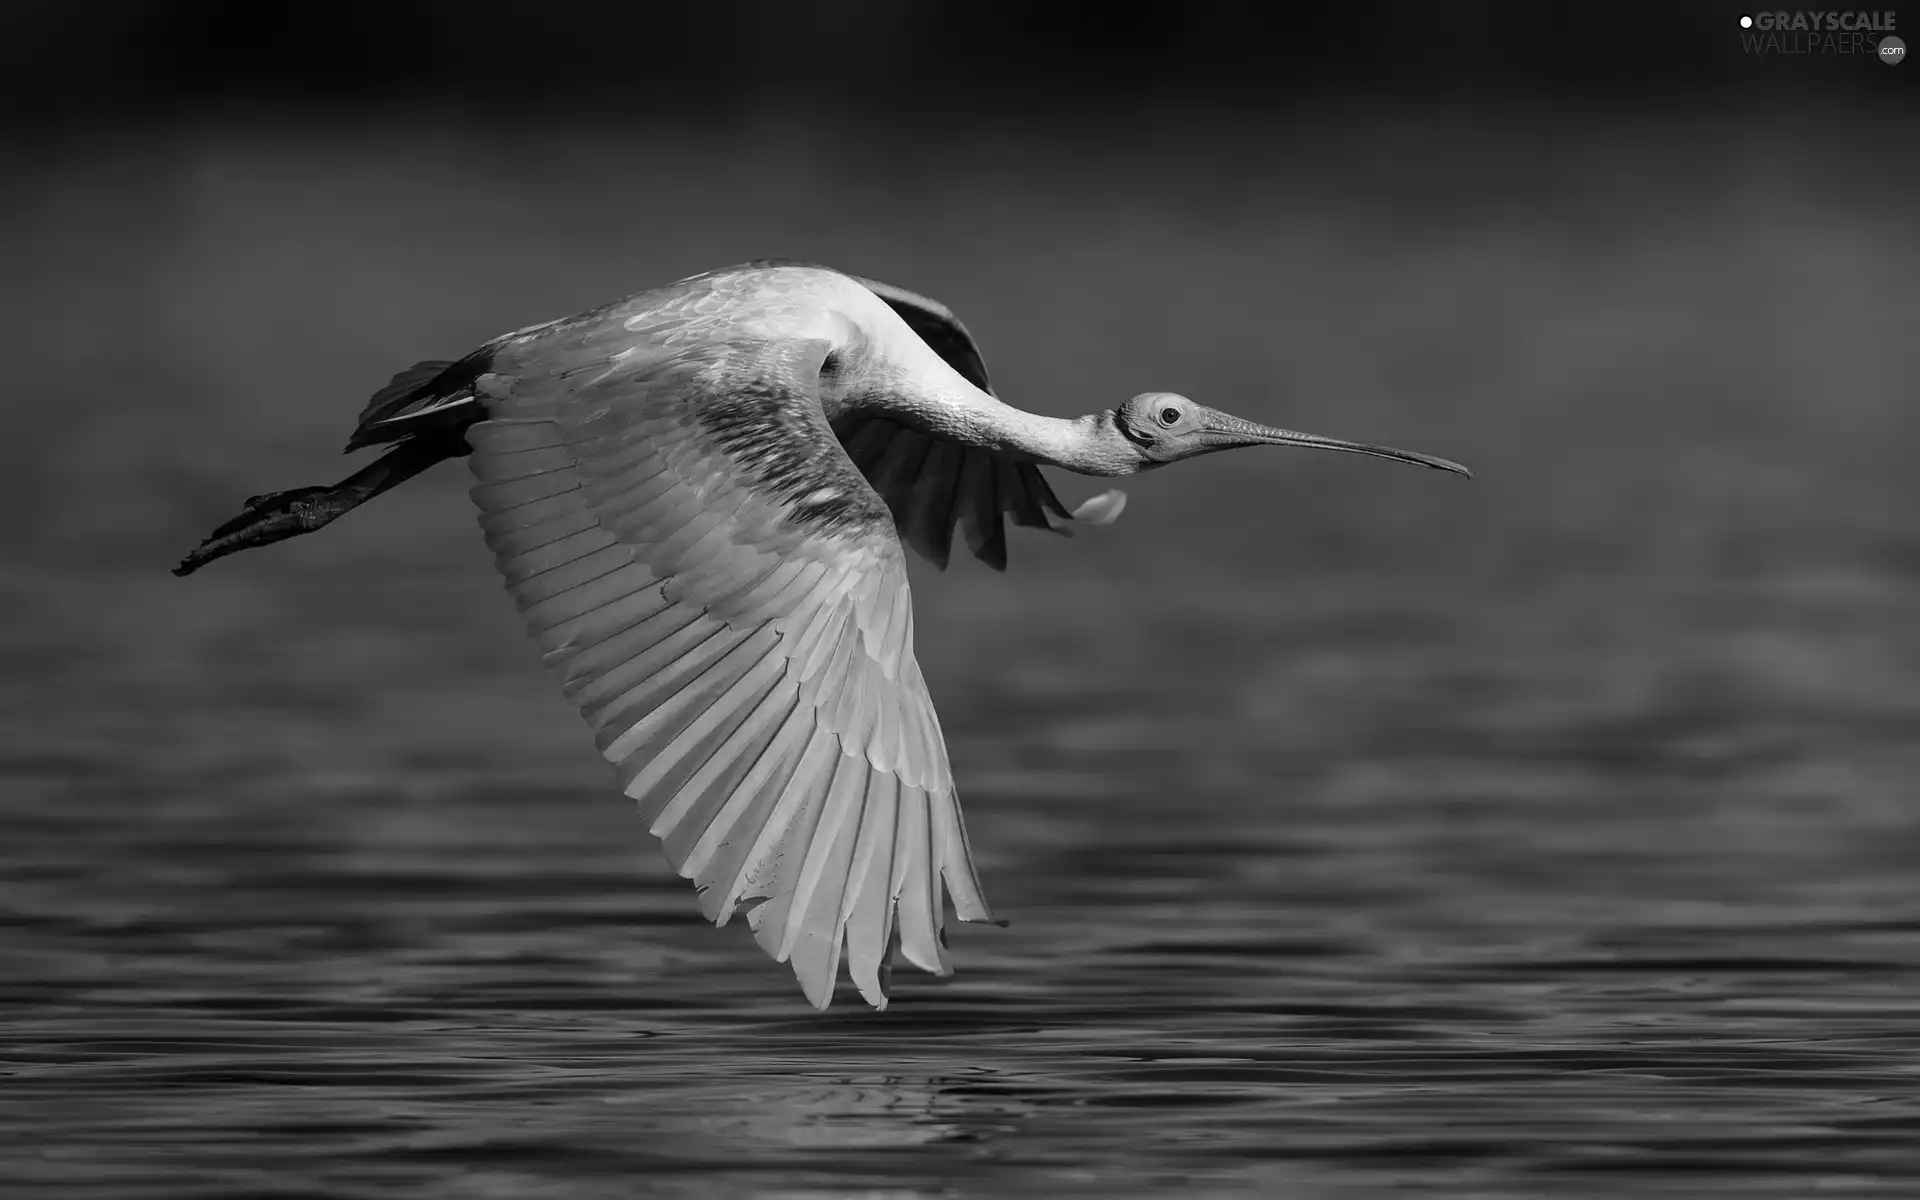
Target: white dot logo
(1892, 51)
(1746, 22)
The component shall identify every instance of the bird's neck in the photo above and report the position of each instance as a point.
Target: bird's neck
(953, 409)
(1086, 445)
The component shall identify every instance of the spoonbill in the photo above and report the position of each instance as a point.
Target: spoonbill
(698, 497)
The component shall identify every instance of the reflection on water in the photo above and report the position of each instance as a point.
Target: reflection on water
(1550, 835)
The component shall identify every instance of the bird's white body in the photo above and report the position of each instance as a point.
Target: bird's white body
(880, 361)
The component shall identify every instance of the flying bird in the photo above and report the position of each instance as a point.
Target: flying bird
(698, 496)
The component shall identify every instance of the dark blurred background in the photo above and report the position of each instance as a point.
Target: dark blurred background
(1357, 823)
(671, 59)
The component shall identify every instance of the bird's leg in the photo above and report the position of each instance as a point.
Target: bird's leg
(277, 516)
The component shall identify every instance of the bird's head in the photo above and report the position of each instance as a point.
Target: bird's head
(1158, 428)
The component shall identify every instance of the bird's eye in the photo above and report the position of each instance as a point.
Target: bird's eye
(1169, 415)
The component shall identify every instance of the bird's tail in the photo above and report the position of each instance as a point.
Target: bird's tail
(277, 516)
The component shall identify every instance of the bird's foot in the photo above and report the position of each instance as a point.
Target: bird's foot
(273, 517)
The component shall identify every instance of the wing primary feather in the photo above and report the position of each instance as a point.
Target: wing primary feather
(897, 466)
(511, 543)
(815, 933)
(869, 593)
(781, 865)
(838, 662)
(930, 520)
(936, 889)
(512, 435)
(852, 713)
(618, 440)
(504, 518)
(657, 775)
(634, 716)
(868, 908)
(822, 636)
(516, 493)
(980, 520)
(919, 937)
(600, 676)
(812, 581)
(1011, 494)
(760, 870)
(616, 616)
(593, 650)
(897, 649)
(405, 386)
(628, 501)
(693, 546)
(925, 723)
(532, 588)
(672, 707)
(502, 466)
(867, 441)
(757, 594)
(781, 751)
(848, 786)
(721, 776)
(887, 750)
(531, 564)
(649, 523)
(778, 853)
(877, 630)
(738, 711)
(672, 526)
(740, 571)
(738, 859)
(953, 855)
(1038, 488)
(597, 595)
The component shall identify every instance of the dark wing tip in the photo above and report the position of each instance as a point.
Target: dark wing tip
(425, 389)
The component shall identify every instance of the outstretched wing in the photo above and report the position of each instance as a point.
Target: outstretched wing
(931, 484)
(724, 598)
